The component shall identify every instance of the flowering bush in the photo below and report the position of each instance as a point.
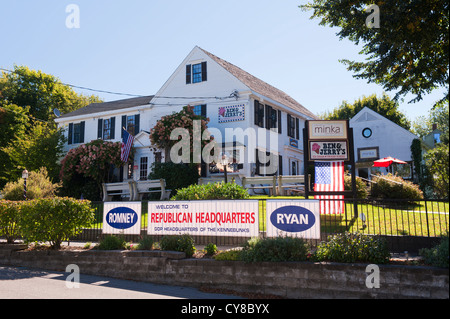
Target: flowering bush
(91, 160)
(160, 134)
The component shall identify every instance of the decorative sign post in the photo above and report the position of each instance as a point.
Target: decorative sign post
(326, 141)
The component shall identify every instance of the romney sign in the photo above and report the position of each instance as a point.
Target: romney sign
(122, 218)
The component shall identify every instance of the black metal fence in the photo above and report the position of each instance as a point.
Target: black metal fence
(406, 225)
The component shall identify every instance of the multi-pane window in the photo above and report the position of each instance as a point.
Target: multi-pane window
(131, 124)
(144, 169)
(76, 133)
(200, 110)
(107, 129)
(196, 73)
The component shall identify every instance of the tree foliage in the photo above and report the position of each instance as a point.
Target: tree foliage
(409, 52)
(28, 135)
(41, 92)
(384, 106)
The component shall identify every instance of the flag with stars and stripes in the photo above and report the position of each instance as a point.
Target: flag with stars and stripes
(329, 177)
(127, 143)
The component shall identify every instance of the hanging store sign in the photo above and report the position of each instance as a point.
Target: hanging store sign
(232, 113)
(204, 218)
(327, 130)
(328, 151)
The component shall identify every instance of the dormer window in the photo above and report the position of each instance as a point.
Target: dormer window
(196, 73)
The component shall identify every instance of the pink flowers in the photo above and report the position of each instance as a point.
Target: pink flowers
(91, 160)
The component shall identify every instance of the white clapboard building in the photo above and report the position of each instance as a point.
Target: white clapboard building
(239, 106)
(377, 137)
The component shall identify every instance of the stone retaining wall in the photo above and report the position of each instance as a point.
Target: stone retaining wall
(286, 279)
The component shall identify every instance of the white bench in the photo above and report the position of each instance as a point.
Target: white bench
(113, 189)
(287, 185)
(153, 186)
(261, 182)
(210, 180)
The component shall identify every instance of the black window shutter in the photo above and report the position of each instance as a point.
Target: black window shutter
(113, 128)
(256, 112)
(137, 128)
(188, 74)
(204, 111)
(289, 125)
(297, 128)
(70, 136)
(204, 72)
(280, 165)
(279, 122)
(100, 129)
(82, 124)
(268, 116)
(124, 125)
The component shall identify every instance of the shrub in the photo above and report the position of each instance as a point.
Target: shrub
(275, 249)
(394, 187)
(177, 176)
(146, 243)
(54, 219)
(349, 248)
(9, 220)
(212, 191)
(232, 254)
(112, 243)
(211, 249)
(39, 185)
(361, 187)
(182, 243)
(437, 256)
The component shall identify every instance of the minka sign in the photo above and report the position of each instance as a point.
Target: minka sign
(327, 130)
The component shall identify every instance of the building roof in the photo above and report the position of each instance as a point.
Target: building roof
(110, 106)
(260, 86)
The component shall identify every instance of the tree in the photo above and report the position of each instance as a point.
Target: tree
(384, 106)
(41, 92)
(438, 115)
(409, 52)
(28, 135)
(438, 165)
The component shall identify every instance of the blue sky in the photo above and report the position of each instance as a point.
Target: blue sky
(134, 46)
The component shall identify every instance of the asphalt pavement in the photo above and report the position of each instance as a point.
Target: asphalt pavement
(27, 283)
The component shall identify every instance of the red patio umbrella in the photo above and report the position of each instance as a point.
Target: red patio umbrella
(387, 161)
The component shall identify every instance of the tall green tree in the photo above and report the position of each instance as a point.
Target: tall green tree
(383, 105)
(408, 53)
(41, 92)
(28, 134)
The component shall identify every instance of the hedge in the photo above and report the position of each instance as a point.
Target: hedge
(52, 220)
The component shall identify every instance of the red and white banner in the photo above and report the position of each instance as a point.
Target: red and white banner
(204, 218)
(329, 177)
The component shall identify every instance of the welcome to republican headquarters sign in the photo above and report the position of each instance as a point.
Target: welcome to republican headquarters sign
(295, 218)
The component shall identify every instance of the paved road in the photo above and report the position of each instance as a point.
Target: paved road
(26, 283)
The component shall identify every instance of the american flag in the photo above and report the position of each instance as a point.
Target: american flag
(329, 177)
(127, 142)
